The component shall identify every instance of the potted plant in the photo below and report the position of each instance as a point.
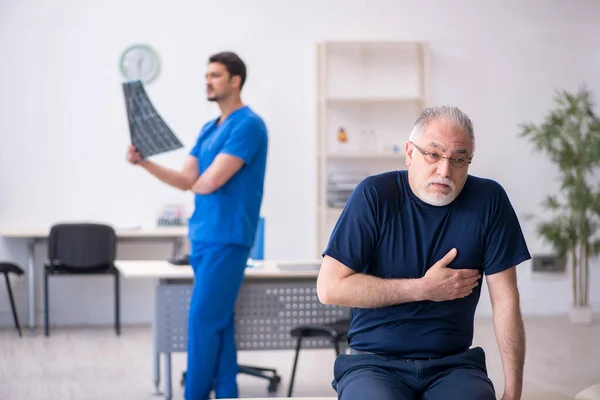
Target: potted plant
(570, 136)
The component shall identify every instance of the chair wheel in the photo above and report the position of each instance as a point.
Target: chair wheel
(274, 384)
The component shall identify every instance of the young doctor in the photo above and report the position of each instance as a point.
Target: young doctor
(225, 170)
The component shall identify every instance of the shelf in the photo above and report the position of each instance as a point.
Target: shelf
(374, 91)
(370, 46)
(371, 156)
(372, 100)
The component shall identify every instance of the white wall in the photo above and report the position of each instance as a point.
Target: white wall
(63, 129)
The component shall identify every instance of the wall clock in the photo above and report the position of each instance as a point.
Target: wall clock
(139, 62)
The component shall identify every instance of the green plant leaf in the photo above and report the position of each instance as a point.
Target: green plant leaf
(569, 135)
(552, 203)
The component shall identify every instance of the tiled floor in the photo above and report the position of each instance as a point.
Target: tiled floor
(92, 363)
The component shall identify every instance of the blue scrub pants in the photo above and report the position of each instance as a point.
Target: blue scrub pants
(212, 354)
(369, 376)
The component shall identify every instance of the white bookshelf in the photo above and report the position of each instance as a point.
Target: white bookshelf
(375, 91)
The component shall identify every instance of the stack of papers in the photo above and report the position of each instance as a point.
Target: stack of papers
(340, 186)
(299, 267)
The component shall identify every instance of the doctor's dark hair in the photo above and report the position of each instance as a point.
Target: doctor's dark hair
(233, 63)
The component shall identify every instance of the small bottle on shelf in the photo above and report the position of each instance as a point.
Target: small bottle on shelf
(342, 135)
(342, 140)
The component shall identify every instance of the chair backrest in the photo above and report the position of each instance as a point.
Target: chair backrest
(82, 245)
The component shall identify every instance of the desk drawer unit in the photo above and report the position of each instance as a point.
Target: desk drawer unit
(266, 310)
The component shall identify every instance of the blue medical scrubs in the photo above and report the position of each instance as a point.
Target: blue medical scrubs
(221, 232)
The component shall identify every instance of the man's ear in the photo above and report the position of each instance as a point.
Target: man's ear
(236, 80)
(408, 149)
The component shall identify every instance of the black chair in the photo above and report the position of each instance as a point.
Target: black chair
(10, 268)
(81, 249)
(337, 332)
(269, 374)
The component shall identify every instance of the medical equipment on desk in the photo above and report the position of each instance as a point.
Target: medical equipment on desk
(171, 215)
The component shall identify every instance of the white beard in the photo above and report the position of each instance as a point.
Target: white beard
(438, 199)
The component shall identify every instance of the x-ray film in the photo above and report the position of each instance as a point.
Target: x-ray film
(150, 135)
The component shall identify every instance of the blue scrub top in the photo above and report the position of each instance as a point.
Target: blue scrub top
(230, 215)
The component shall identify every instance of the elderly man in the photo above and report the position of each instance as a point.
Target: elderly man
(408, 254)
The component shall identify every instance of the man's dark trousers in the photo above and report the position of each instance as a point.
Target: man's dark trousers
(360, 376)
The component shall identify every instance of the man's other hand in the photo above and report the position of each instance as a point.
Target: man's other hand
(133, 157)
(442, 283)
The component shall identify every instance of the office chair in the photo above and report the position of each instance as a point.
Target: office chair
(10, 268)
(258, 372)
(81, 249)
(337, 332)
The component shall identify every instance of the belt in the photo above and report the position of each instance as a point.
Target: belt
(355, 352)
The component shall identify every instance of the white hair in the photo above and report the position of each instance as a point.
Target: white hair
(450, 114)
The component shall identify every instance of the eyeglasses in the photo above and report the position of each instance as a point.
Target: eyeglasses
(434, 157)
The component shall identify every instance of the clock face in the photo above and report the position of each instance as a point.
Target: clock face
(139, 62)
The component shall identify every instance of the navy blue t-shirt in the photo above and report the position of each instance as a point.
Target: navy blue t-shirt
(230, 215)
(386, 231)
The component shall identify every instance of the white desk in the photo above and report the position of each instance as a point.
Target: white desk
(162, 269)
(176, 235)
(127, 233)
(179, 278)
